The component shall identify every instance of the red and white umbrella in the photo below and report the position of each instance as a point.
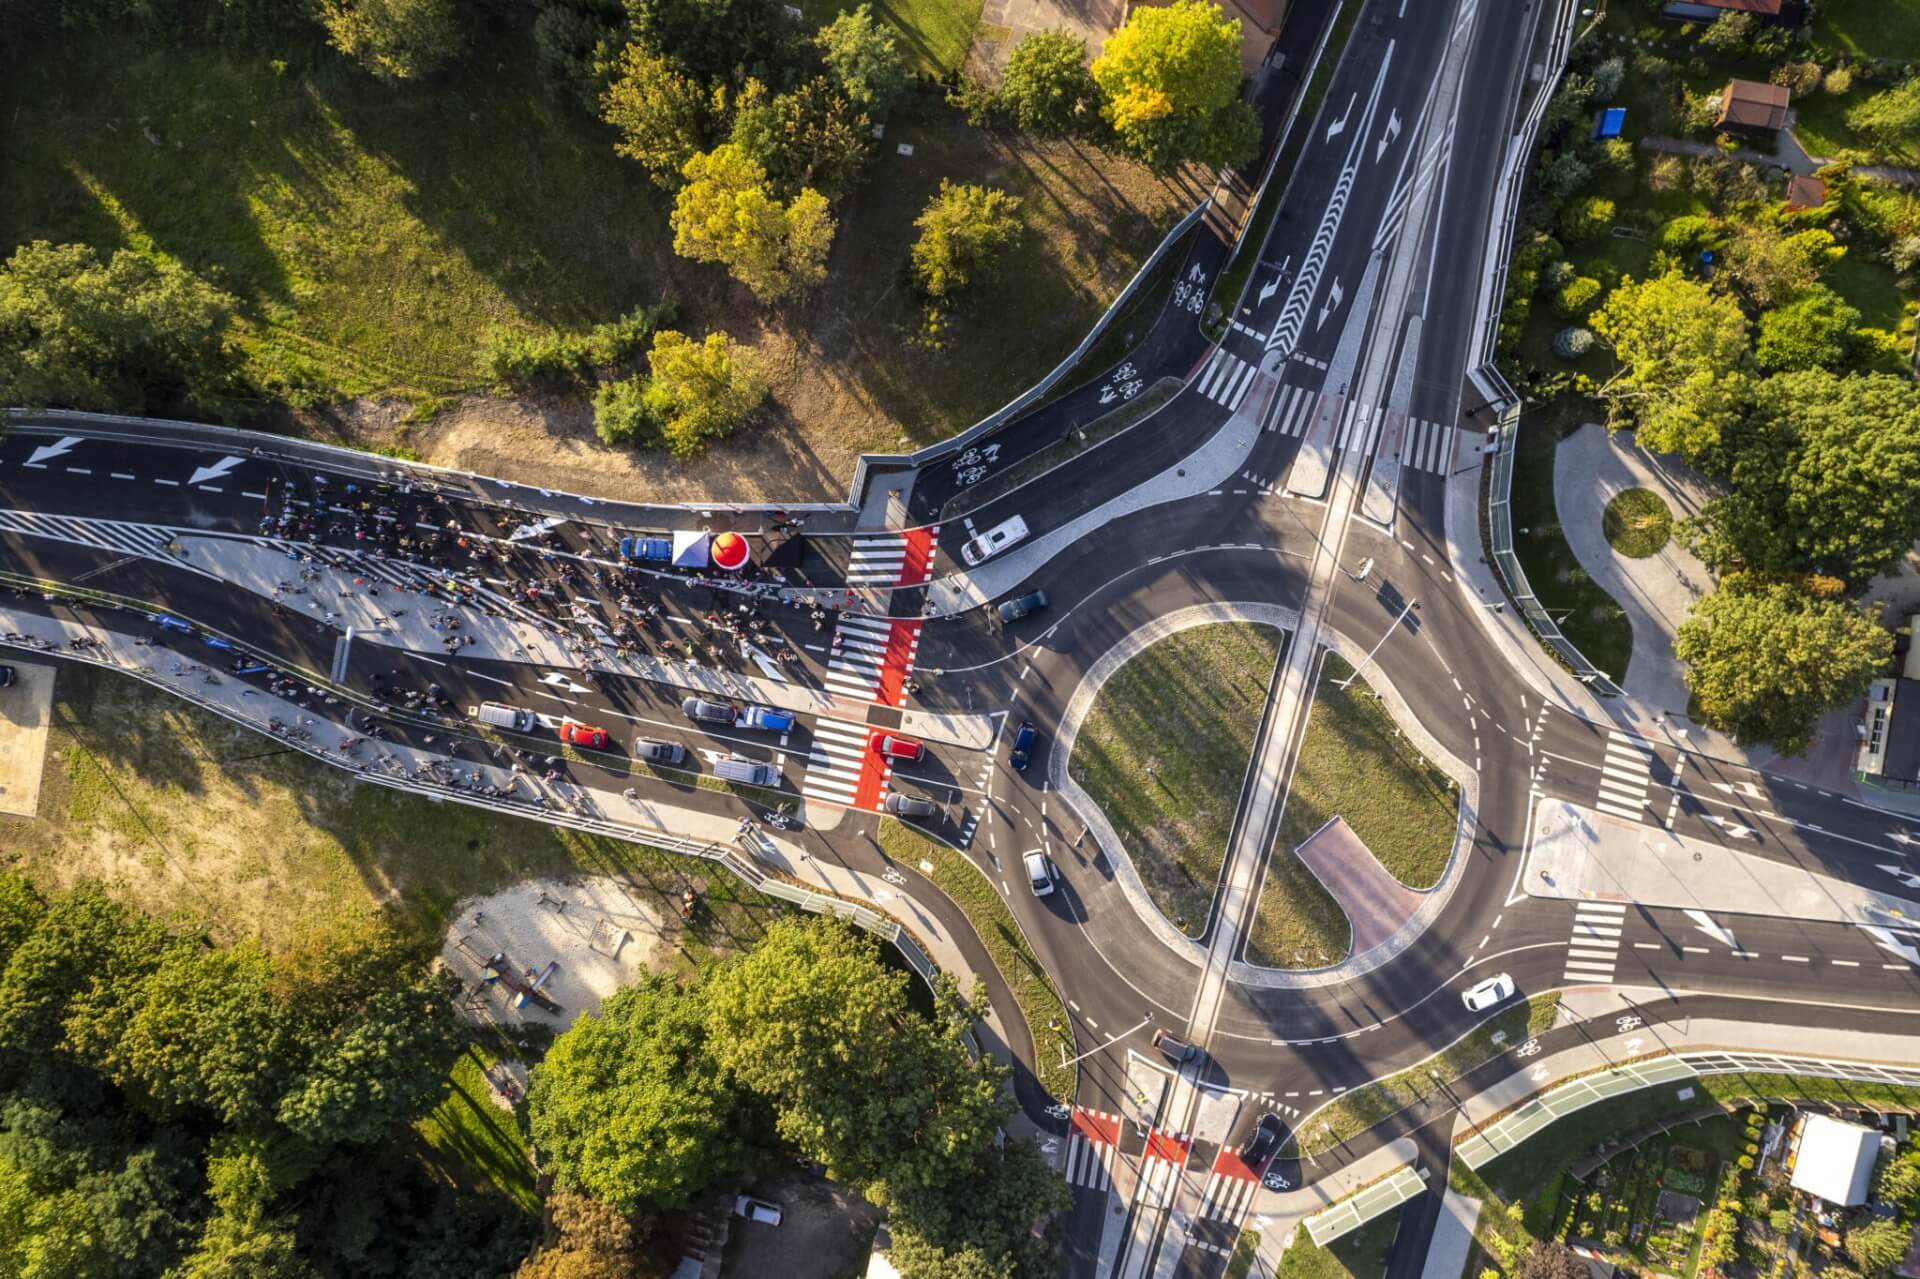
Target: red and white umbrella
(730, 552)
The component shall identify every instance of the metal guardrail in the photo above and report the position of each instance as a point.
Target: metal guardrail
(1513, 1128)
(1357, 1209)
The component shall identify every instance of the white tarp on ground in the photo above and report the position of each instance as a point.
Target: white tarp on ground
(690, 549)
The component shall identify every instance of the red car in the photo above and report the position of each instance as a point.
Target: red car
(574, 733)
(898, 747)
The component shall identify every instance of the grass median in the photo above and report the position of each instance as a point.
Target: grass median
(999, 932)
(1164, 753)
(1359, 1109)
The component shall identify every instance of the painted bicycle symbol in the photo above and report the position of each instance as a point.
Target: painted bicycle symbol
(1058, 1111)
(1629, 1023)
(1527, 1049)
(972, 475)
(893, 876)
(1274, 1181)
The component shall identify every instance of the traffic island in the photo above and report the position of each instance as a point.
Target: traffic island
(1368, 827)
(1164, 753)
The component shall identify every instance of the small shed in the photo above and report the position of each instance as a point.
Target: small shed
(1608, 123)
(1805, 191)
(1835, 1160)
(1784, 13)
(1753, 107)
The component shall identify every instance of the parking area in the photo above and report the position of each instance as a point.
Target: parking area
(24, 710)
(825, 1232)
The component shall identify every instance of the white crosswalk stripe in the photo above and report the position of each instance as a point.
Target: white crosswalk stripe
(1426, 446)
(1361, 414)
(833, 765)
(1226, 1198)
(149, 540)
(877, 559)
(1089, 1163)
(1625, 774)
(1291, 416)
(1594, 947)
(1225, 379)
(854, 666)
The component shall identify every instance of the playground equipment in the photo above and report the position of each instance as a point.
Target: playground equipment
(525, 986)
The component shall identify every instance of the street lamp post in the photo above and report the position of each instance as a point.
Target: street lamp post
(1368, 661)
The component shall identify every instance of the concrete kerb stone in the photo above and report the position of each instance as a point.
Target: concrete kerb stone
(1080, 705)
(1433, 900)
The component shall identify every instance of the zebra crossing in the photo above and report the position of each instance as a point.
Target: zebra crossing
(1625, 774)
(842, 767)
(1228, 1193)
(1426, 446)
(1226, 379)
(1091, 1148)
(1369, 421)
(894, 558)
(859, 653)
(1292, 411)
(1594, 948)
(146, 540)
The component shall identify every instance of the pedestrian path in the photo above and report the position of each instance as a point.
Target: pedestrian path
(872, 657)
(1595, 945)
(1368, 423)
(1092, 1145)
(1225, 379)
(1427, 446)
(1229, 1190)
(1293, 415)
(843, 767)
(1625, 774)
(1165, 1156)
(893, 558)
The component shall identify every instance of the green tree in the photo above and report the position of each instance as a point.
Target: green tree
(1771, 266)
(915, 1257)
(701, 391)
(1682, 352)
(575, 42)
(715, 41)
(589, 1240)
(126, 335)
(630, 1106)
(1586, 220)
(662, 114)
(394, 39)
(1171, 83)
(811, 137)
(84, 955)
(620, 414)
(44, 1234)
(21, 910)
(863, 59)
(1878, 1246)
(964, 231)
(988, 1207)
(1573, 299)
(1897, 1179)
(1729, 33)
(726, 213)
(1047, 88)
(246, 1248)
(1814, 330)
(1889, 115)
(1765, 660)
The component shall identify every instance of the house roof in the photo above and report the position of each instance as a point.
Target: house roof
(1748, 104)
(1835, 1161)
(1806, 191)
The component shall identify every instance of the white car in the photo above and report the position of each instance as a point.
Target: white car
(1489, 993)
(757, 1210)
(983, 547)
(1039, 874)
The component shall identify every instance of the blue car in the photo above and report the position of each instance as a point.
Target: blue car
(1023, 739)
(169, 623)
(774, 721)
(214, 641)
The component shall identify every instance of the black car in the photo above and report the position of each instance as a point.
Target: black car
(1023, 740)
(1265, 1141)
(1026, 605)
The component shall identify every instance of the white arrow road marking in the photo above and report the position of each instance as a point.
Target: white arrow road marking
(561, 681)
(214, 472)
(1388, 135)
(1269, 290)
(1902, 838)
(1732, 827)
(1906, 877)
(1337, 295)
(1633, 1045)
(63, 445)
(1339, 126)
(1884, 939)
(1704, 922)
(1743, 788)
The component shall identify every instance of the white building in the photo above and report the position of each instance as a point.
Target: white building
(1834, 1160)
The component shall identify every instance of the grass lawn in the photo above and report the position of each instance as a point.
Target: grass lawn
(1637, 523)
(1032, 989)
(1360, 1254)
(1871, 287)
(1164, 752)
(1358, 1109)
(476, 1144)
(181, 810)
(1870, 28)
(934, 33)
(1589, 616)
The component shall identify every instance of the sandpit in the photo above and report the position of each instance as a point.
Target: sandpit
(596, 934)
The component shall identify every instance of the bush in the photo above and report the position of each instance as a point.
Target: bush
(1576, 298)
(1560, 274)
(1616, 156)
(1838, 81)
(518, 358)
(621, 415)
(1607, 77)
(1586, 220)
(1572, 343)
(1800, 78)
(1699, 111)
(1686, 235)
(1666, 173)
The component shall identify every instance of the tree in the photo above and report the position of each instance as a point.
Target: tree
(1772, 266)
(1878, 1246)
(1814, 330)
(662, 114)
(1888, 115)
(725, 213)
(701, 391)
(1586, 220)
(1046, 88)
(1681, 350)
(84, 953)
(586, 1239)
(811, 137)
(574, 41)
(1765, 660)
(864, 61)
(988, 1206)
(251, 1247)
(1171, 81)
(1729, 33)
(620, 414)
(1897, 1180)
(1608, 77)
(126, 335)
(963, 232)
(630, 1106)
(714, 41)
(394, 39)
(1573, 299)
(21, 910)
(1572, 343)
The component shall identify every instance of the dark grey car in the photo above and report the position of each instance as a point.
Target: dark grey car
(910, 806)
(654, 751)
(1027, 605)
(709, 712)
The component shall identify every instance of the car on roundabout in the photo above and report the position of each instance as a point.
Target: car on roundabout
(1264, 1143)
(574, 733)
(1025, 606)
(1490, 993)
(1020, 754)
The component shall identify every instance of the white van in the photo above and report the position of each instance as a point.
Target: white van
(750, 772)
(984, 546)
(500, 715)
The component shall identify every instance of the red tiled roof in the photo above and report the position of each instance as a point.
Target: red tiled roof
(1748, 104)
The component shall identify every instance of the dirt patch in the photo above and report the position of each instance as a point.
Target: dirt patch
(825, 1232)
(23, 737)
(594, 933)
